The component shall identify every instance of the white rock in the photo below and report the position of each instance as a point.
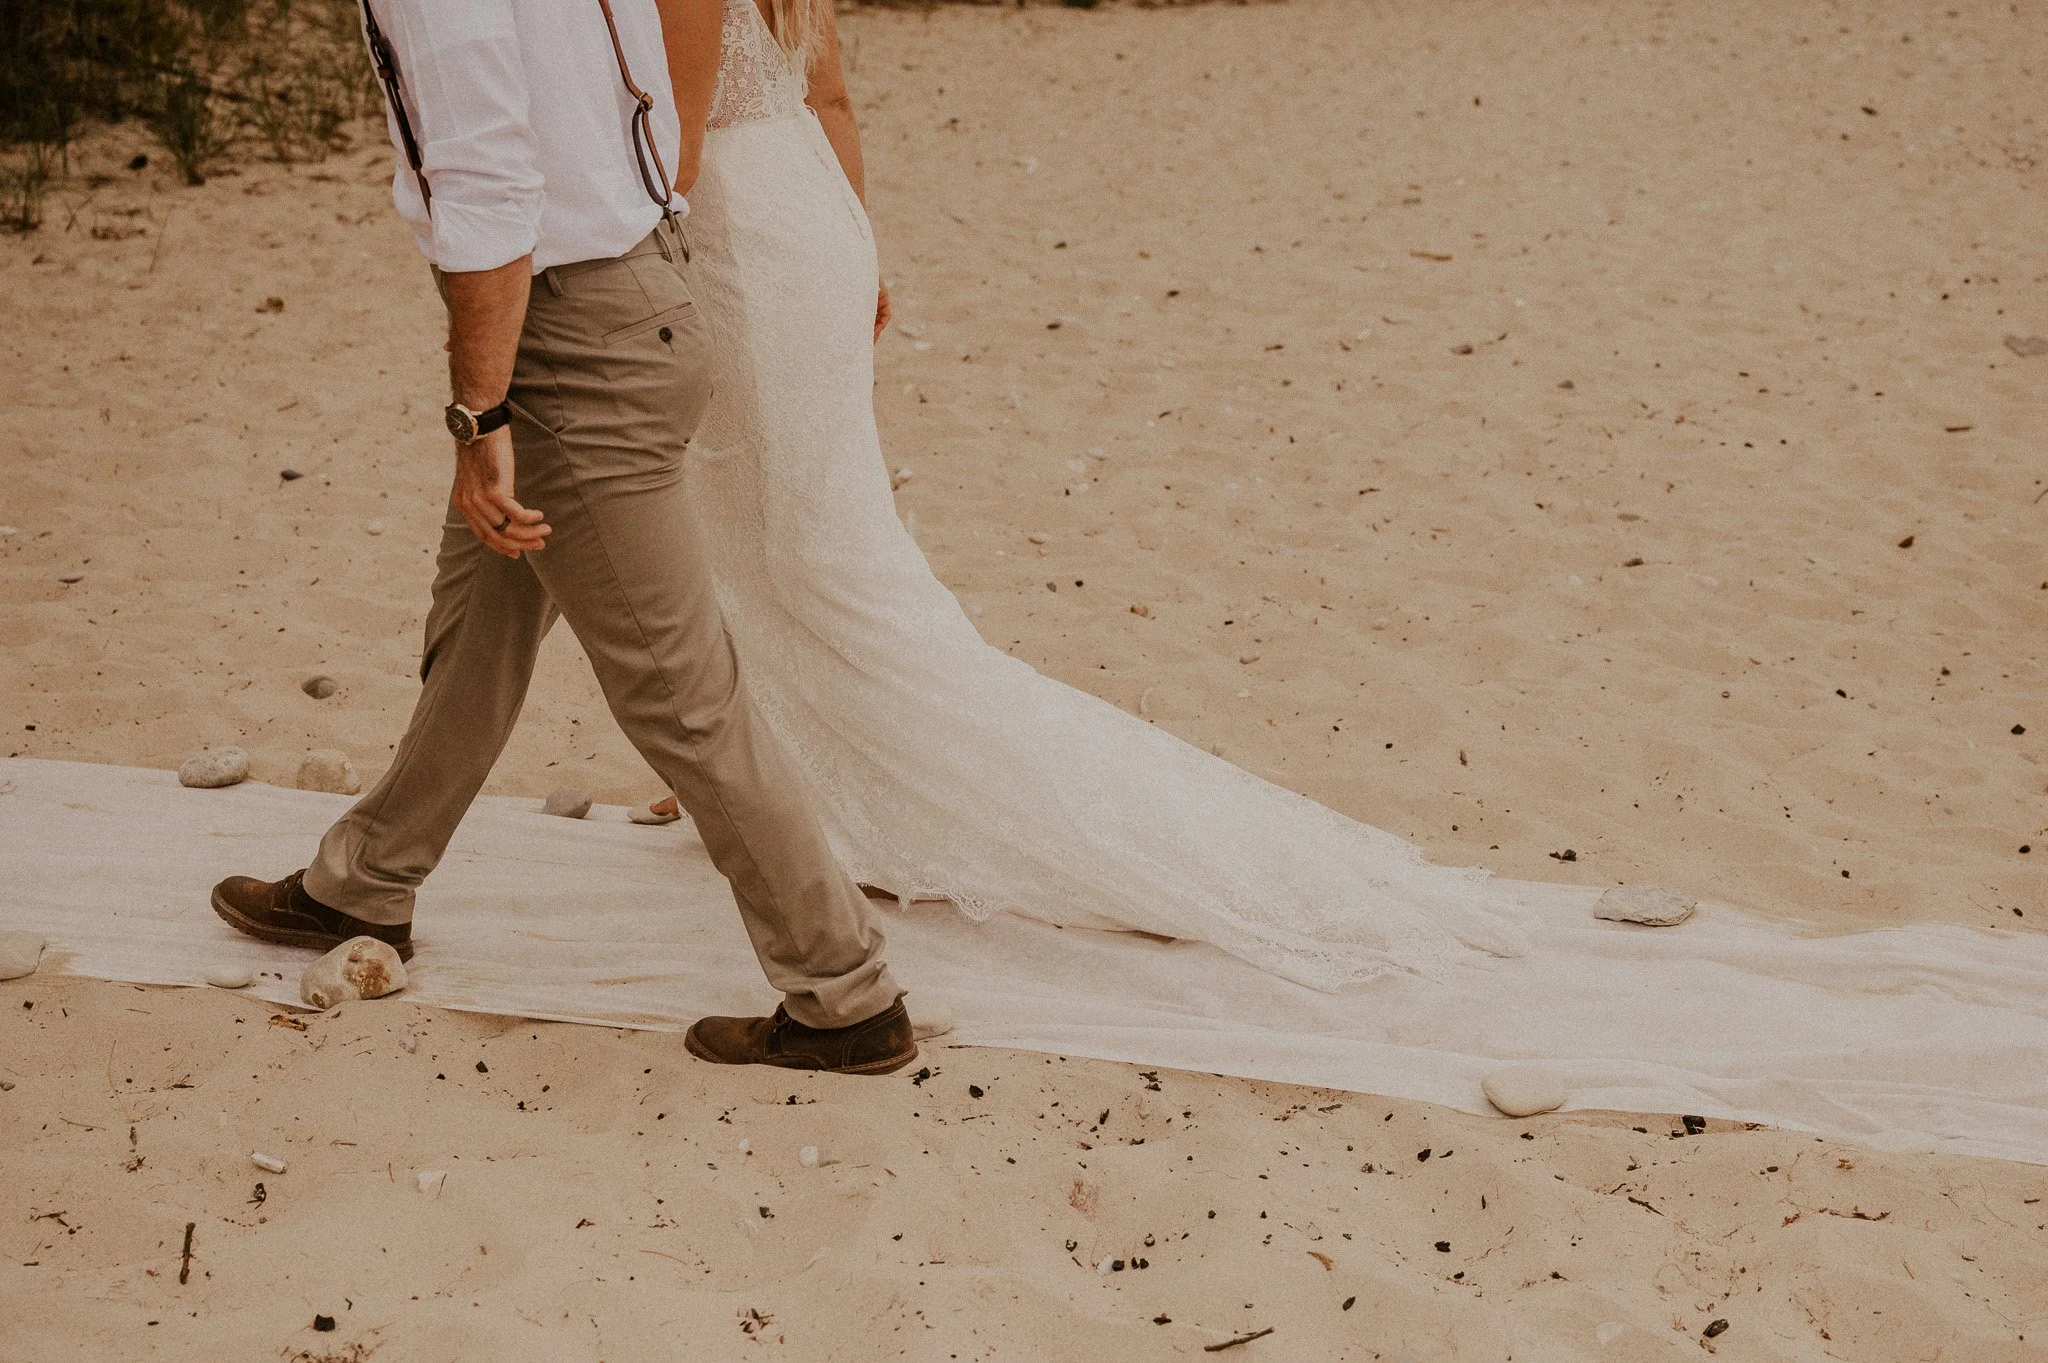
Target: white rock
(929, 1019)
(270, 1164)
(230, 977)
(430, 1180)
(567, 803)
(746, 1145)
(360, 968)
(319, 686)
(1525, 1090)
(213, 768)
(330, 770)
(1652, 905)
(408, 1043)
(808, 1157)
(375, 527)
(20, 954)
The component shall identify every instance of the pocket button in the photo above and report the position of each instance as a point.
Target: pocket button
(667, 335)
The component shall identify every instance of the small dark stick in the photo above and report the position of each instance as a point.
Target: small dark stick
(185, 1268)
(1233, 1343)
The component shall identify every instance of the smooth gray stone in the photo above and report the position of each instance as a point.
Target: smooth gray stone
(319, 687)
(360, 968)
(568, 803)
(1651, 905)
(214, 768)
(330, 770)
(20, 954)
(1525, 1090)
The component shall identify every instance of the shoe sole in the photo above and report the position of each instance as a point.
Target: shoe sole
(283, 937)
(886, 1066)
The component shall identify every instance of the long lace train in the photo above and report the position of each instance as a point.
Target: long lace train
(946, 768)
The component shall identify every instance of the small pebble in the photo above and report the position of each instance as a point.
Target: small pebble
(20, 954)
(330, 770)
(230, 977)
(1651, 905)
(375, 527)
(567, 803)
(360, 968)
(290, 475)
(408, 1043)
(214, 768)
(430, 1180)
(9, 531)
(69, 578)
(746, 1145)
(808, 1157)
(319, 687)
(269, 1164)
(1525, 1090)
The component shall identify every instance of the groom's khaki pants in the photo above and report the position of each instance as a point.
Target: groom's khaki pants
(611, 379)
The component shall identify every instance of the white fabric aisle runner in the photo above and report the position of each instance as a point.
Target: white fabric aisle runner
(1923, 1037)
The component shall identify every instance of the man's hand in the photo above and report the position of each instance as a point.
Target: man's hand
(881, 311)
(483, 497)
(486, 309)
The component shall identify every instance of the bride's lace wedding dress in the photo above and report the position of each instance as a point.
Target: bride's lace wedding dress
(947, 769)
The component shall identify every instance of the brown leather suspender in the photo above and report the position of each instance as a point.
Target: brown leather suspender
(644, 149)
(385, 61)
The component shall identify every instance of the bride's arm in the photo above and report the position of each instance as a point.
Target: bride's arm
(834, 107)
(692, 32)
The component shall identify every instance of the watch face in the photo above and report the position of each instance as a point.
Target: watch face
(461, 424)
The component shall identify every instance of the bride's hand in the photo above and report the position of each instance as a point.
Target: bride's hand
(881, 311)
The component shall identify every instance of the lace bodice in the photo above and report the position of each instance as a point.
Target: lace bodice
(757, 80)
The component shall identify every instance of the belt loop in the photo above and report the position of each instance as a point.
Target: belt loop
(554, 281)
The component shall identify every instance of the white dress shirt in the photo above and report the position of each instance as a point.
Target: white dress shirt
(524, 127)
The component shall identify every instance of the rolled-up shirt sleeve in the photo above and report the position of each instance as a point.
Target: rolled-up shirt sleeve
(464, 80)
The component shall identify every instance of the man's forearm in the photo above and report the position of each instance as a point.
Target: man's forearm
(486, 309)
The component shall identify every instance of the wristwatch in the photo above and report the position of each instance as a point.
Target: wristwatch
(469, 426)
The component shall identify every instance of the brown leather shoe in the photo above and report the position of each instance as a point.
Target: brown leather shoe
(880, 1045)
(281, 911)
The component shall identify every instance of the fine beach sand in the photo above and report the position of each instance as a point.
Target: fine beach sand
(1579, 437)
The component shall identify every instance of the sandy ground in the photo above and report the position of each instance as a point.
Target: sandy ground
(1529, 428)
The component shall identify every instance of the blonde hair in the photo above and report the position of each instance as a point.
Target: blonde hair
(800, 28)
